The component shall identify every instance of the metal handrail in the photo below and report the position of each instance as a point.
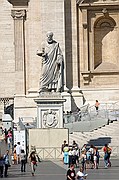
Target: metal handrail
(106, 110)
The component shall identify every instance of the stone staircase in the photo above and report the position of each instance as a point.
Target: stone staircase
(109, 134)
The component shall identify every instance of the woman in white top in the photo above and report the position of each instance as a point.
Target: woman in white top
(80, 175)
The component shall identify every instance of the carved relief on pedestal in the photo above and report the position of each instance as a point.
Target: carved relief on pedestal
(18, 14)
(50, 119)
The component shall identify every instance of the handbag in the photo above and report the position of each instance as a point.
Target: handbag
(34, 162)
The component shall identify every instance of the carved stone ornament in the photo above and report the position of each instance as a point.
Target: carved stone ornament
(86, 77)
(50, 119)
(18, 14)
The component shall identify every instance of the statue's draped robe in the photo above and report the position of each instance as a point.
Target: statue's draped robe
(52, 68)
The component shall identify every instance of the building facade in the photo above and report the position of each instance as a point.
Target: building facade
(88, 33)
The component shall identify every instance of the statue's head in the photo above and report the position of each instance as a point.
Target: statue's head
(49, 37)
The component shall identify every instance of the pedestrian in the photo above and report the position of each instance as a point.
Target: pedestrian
(2, 162)
(6, 133)
(77, 156)
(9, 135)
(88, 158)
(18, 152)
(62, 149)
(84, 147)
(71, 174)
(33, 162)
(96, 158)
(66, 154)
(7, 163)
(15, 155)
(74, 144)
(97, 106)
(81, 175)
(83, 159)
(74, 156)
(107, 151)
(92, 155)
(23, 160)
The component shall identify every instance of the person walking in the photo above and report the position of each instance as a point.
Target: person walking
(6, 133)
(33, 162)
(107, 151)
(71, 174)
(2, 162)
(66, 154)
(96, 158)
(7, 163)
(23, 160)
(62, 149)
(18, 152)
(81, 175)
(97, 106)
(15, 155)
(92, 155)
(83, 159)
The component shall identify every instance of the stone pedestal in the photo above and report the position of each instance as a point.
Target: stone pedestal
(50, 110)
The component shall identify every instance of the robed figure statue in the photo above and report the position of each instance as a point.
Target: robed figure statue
(52, 66)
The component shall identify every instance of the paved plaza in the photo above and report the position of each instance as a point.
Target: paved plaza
(55, 170)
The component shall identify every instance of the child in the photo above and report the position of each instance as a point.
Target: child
(15, 157)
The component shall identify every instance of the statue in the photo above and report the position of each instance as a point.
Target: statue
(52, 66)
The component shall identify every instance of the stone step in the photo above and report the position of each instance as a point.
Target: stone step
(109, 131)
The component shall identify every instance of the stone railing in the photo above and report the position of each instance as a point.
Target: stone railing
(55, 152)
(49, 152)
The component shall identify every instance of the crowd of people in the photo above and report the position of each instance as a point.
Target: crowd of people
(86, 157)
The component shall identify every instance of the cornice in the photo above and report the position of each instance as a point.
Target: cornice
(19, 3)
(82, 3)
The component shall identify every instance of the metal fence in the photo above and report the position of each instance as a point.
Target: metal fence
(87, 113)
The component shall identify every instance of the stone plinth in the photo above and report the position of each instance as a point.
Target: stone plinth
(47, 142)
(49, 110)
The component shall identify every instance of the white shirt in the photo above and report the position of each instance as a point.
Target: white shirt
(81, 175)
(18, 149)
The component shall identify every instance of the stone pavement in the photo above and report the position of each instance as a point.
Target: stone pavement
(55, 170)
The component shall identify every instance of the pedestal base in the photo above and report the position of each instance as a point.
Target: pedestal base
(50, 110)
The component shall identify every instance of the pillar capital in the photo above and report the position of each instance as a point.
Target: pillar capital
(18, 13)
(19, 3)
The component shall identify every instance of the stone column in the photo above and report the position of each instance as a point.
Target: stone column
(19, 43)
(77, 96)
(19, 14)
(74, 47)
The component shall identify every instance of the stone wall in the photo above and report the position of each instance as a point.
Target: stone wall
(7, 60)
(73, 26)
